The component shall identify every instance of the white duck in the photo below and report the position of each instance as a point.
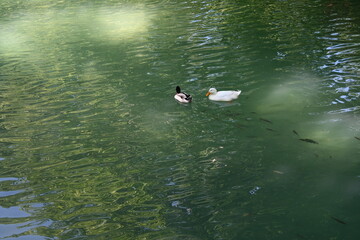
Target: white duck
(222, 95)
(182, 96)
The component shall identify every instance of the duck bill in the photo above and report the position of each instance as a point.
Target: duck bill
(207, 94)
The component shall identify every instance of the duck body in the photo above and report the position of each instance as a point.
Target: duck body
(225, 96)
(182, 96)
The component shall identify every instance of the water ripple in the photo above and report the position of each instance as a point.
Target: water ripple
(93, 144)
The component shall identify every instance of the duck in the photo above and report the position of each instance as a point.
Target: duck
(225, 96)
(182, 96)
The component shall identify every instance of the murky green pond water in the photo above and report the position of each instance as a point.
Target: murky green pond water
(94, 146)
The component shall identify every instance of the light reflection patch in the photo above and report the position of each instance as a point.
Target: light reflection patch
(120, 25)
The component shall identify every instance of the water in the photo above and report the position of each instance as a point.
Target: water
(94, 146)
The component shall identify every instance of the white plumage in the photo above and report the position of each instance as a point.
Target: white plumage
(225, 96)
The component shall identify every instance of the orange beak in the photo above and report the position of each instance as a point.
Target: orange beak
(207, 94)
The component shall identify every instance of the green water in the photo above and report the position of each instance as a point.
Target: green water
(94, 146)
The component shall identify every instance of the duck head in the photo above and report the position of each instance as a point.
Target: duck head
(211, 91)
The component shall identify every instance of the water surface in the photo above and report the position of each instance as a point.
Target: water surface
(94, 146)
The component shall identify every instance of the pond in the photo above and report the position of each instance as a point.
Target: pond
(93, 144)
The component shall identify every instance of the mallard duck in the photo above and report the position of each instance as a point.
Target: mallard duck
(222, 95)
(182, 96)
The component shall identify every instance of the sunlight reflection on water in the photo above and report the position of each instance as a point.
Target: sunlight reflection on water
(93, 144)
(120, 24)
